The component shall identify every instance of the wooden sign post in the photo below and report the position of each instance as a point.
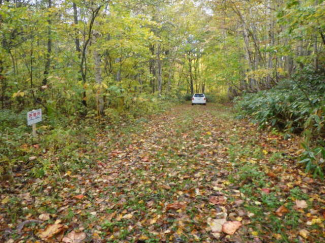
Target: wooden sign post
(34, 117)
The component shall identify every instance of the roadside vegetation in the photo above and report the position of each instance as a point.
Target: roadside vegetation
(294, 106)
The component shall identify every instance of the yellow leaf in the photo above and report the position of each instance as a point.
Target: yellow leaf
(217, 188)
(5, 200)
(179, 231)
(316, 221)
(239, 218)
(119, 217)
(265, 152)
(143, 237)
(304, 233)
(255, 233)
(128, 216)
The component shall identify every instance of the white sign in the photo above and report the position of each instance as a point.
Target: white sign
(34, 116)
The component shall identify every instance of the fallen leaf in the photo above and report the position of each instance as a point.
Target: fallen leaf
(301, 204)
(51, 231)
(74, 237)
(266, 190)
(44, 216)
(166, 187)
(239, 202)
(5, 200)
(216, 200)
(145, 159)
(143, 237)
(216, 224)
(281, 210)
(271, 174)
(231, 227)
(175, 206)
(316, 221)
(216, 235)
(217, 188)
(119, 217)
(128, 216)
(239, 218)
(79, 196)
(304, 233)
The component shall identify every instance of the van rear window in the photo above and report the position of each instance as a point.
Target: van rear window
(199, 95)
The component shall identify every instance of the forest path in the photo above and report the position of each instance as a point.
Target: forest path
(186, 169)
(180, 177)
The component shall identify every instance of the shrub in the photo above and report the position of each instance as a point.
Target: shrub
(294, 106)
(188, 97)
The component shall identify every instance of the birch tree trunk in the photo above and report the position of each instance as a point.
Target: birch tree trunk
(49, 47)
(98, 78)
(152, 69)
(190, 73)
(159, 70)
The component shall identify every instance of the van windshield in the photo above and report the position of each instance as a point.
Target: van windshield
(199, 95)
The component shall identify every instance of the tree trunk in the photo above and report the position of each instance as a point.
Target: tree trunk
(119, 70)
(271, 43)
(83, 64)
(159, 70)
(49, 47)
(3, 82)
(98, 78)
(78, 49)
(75, 16)
(248, 52)
(152, 69)
(190, 73)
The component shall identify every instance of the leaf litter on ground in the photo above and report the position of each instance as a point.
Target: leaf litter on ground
(181, 179)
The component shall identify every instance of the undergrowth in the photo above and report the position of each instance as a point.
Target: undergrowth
(293, 106)
(57, 149)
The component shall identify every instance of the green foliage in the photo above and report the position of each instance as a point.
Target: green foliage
(314, 160)
(250, 172)
(291, 106)
(294, 106)
(12, 136)
(188, 97)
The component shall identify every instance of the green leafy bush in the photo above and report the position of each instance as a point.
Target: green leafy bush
(294, 106)
(188, 97)
(314, 160)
